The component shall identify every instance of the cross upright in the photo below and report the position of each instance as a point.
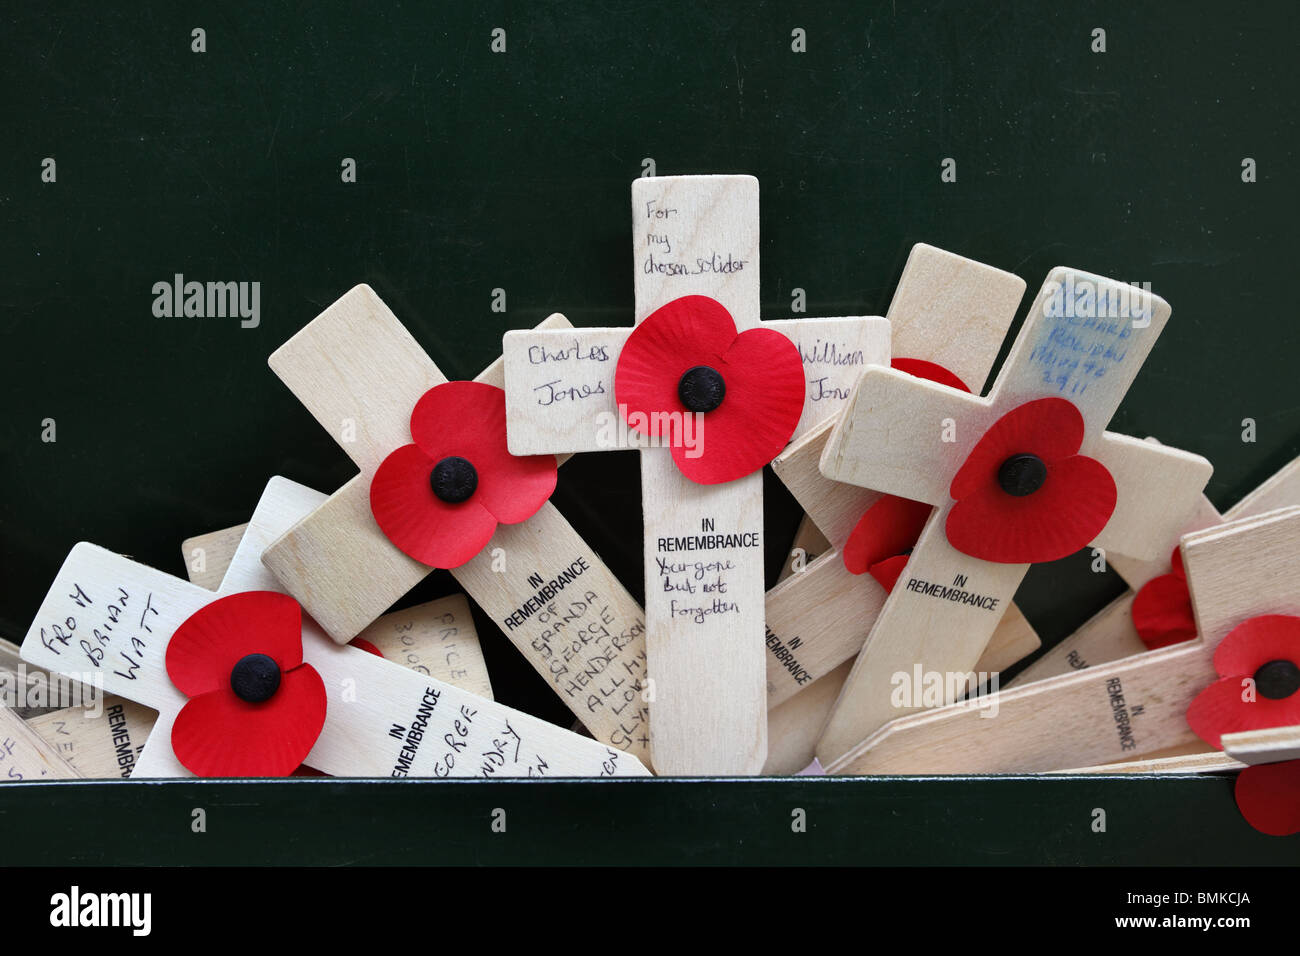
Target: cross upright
(1110, 634)
(1060, 482)
(115, 618)
(693, 237)
(947, 311)
(360, 373)
(1121, 710)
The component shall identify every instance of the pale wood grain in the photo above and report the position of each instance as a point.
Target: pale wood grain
(102, 742)
(368, 695)
(795, 723)
(24, 756)
(208, 555)
(1271, 745)
(1110, 634)
(436, 638)
(586, 640)
(891, 438)
(1069, 720)
(809, 542)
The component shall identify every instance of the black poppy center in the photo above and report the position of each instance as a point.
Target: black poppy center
(1022, 475)
(1278, 679)
(453, 479)
(701, 388)
(255, 678)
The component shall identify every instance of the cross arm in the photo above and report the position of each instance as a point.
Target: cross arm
(107, 619)
(891, 437)
(359, 372)
(560, 391)
(1159, 493)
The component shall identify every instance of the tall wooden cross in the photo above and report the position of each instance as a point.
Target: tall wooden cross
(1110, 634)
(360, 373)
(946, 310)
(692, 235)
(1083, 341)
(436, 639)
(1125, 709)
(114, 617)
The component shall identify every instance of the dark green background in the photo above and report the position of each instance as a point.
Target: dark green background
(478, 170)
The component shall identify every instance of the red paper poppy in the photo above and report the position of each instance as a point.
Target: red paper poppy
(882, 540)
(1268, 796)
(1024, 494)
(440, 499)
(255, 708)
(725, 403)
(1162, 608)
(1258, 664)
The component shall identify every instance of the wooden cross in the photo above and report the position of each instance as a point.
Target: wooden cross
(114, 617)
(1110, 635)
(1123, 710)
(360, 373)
(24, 754)
(436, 639)
(693, 235)
(947, 310)
(1084, 339)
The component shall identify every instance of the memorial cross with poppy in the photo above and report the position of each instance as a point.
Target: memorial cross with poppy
(1022, 475)
(438, 488)
(710, 395)
(948, 318)
(1236, 678)
(246, 685)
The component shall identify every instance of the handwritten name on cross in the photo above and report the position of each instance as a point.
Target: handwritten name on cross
(360, 373)
(1084, 340)
(114, 617)
(693, 235)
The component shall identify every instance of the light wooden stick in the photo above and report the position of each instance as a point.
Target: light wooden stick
(25, 756)
(549, 592)
(1123, 709)
(1110, 634)
(382, 719)
(694, 235)
(892, 439)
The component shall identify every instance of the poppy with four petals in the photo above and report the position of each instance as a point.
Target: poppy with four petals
(686, 364)
(1024, 493)
(255, 707)
(440, 499)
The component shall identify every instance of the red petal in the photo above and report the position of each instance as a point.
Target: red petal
(1219, 710)
(362, 644)
(886, 530)
(1050, 428)
(930, 371)
(420, 523)
(1176, 562)
(887, 572)
(210, 642)
(218, 735)
(1058, 519)
(1268, 796)
(468, 419)
(1255, 642)
(765, 395)
(1162, 612)
(689, 331)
